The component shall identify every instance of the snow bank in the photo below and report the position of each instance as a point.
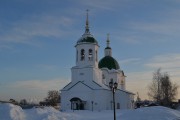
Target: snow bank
(150, 113)
(47, 113)
(13, 112)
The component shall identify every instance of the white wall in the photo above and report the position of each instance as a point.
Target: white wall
(87, 62)
(116, 75)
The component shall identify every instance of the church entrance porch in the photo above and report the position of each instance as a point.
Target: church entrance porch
(77, 104)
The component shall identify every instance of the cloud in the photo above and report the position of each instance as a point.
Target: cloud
(47, 67)
(32, 27)
(158, 32)
(7, 47)
(142, 75)
(167, 61)
(138, 81)
(108, 5)
(130, 60)
(163, 26)
(30, 89)
(169, 27)
(40, 85)
(105, 5)
(132, 40)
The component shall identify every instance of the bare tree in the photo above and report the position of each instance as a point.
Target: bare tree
(169, 90)
(162, 89)
(138, 98)
(23, 102)
(53, 97)
(154, 87)
(13, 101)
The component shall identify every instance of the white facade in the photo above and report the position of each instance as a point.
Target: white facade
(88, 89)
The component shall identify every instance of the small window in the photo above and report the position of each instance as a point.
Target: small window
(76, 55)
(81, 73)
(90, 55)
(103, 76)
(122, 82)
(118, 105)
(82, 54)
(96, 56)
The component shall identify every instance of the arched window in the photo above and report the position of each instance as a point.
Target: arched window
(90, 55)
(82, 54)
(77, 56)
(122, 82)
(103, 76)
(104, 79)
(118, 105)
(96, 56)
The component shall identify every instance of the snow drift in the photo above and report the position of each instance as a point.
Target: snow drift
(13, 112)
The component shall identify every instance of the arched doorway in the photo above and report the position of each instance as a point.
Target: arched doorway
(77, 104)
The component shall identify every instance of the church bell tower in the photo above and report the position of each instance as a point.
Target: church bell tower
(87, 48)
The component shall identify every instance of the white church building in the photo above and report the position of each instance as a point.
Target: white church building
(89, 87)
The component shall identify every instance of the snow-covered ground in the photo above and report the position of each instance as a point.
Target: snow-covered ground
(13, 112)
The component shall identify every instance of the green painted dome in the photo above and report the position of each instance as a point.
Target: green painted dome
(108, 62)
(87, 38)
(108, 48)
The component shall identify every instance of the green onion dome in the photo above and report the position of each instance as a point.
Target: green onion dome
(108, 62)
(87, 38)
(108, 48)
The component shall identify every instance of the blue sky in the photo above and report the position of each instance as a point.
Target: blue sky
(37, 40)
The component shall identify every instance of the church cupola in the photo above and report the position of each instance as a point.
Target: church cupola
(87, 24)
(87, 37)
(107, 50)
(87, 48)
(108, 61)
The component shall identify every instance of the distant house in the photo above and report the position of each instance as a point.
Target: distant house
(10, 101)
(4, 101)
(89, 87)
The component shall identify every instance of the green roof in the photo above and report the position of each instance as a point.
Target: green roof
(108, 62)
(87, 39)
(108, 48)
